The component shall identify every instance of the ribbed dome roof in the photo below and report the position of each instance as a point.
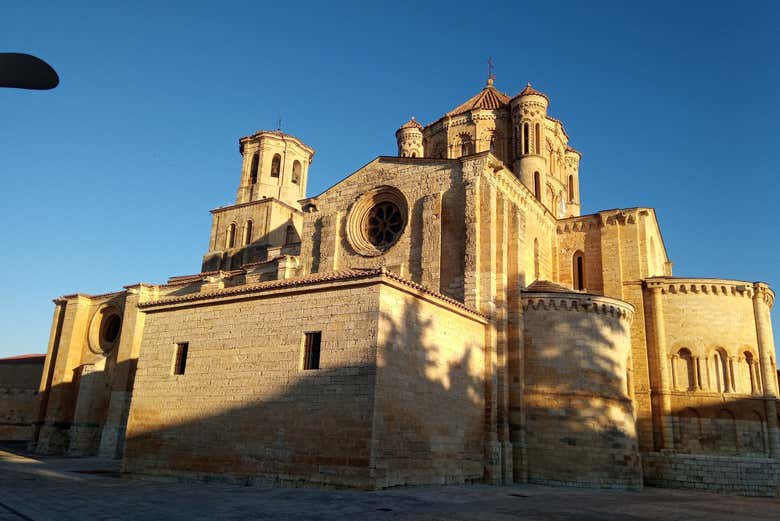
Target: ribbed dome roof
(489, 98)
(412, 123)
(528, 90)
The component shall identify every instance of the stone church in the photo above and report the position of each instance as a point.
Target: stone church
(445, 315)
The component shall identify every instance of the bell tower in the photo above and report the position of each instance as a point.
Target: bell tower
(274, 165)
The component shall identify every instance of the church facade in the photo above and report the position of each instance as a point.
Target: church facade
(445, 315)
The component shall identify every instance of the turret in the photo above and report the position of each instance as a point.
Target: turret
(410, 139)
(275, 165)
(529, 111)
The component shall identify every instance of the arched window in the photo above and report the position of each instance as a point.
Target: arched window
(571, 188)
(725, 432)
(414, 154)
(296, 175)
(750, 373)
(276, 165)
(253, 169)
(465, 145)
(492, 144)
(517, 140)
(684, 370)
(719, 371)
(537, 187)
(247, 232)
(536, 259)
(291, 236)
(690, 430)
(537, 139)
(230, 239)
(525, 138)
(578, 270)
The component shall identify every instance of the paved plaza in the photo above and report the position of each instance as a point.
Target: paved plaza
(89, 488)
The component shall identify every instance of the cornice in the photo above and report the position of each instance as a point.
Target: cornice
(578, 302)
(714, 287)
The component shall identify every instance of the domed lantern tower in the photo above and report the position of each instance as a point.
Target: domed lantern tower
(410, 139)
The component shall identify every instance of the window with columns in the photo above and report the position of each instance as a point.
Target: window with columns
(684, 371)
(230, 238)
(247, 232)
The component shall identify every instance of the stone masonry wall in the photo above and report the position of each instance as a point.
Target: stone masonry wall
(580, 425)
(726, 475)
(19, 380)
(245, 408)
(429, 406)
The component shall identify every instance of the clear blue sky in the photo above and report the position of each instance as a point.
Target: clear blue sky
(107, 180)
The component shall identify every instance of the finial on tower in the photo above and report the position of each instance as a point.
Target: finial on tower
(491, 77)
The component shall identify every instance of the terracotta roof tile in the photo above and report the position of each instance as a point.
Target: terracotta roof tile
(412, 123)
(489, 98)
(28, 358)
(528, 91)
(546, 286)
(315, 278)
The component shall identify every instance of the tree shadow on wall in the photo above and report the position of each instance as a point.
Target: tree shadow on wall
(579, 426)
(415, 417)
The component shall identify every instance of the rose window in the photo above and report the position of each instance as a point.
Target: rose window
(384, 224)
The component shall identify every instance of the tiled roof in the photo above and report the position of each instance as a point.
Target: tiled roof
(315, 278)
(489, 98)
(528, 91)
(546, 286)
(412, 123)
(24, 358)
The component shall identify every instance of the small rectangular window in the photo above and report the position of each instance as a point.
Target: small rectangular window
(180, 363)
(311, 353)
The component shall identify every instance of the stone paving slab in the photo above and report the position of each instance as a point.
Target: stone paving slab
(87, 488)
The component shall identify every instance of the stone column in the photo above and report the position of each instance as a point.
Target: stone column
(487, 305)
(662, 361)
(430, 254)
(697, 373)
(732, 380)
(471, 263)
(763, 299)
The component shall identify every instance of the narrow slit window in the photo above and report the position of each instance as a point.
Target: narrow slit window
(525, 138)
(253, 169)
(537, 139)
(537, 187)
(311, 354)
(180, 363)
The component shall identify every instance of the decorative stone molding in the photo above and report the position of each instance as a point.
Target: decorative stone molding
(358, 219)
(763, 292)
(714, 287)
(105, 328)
(578, 303)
